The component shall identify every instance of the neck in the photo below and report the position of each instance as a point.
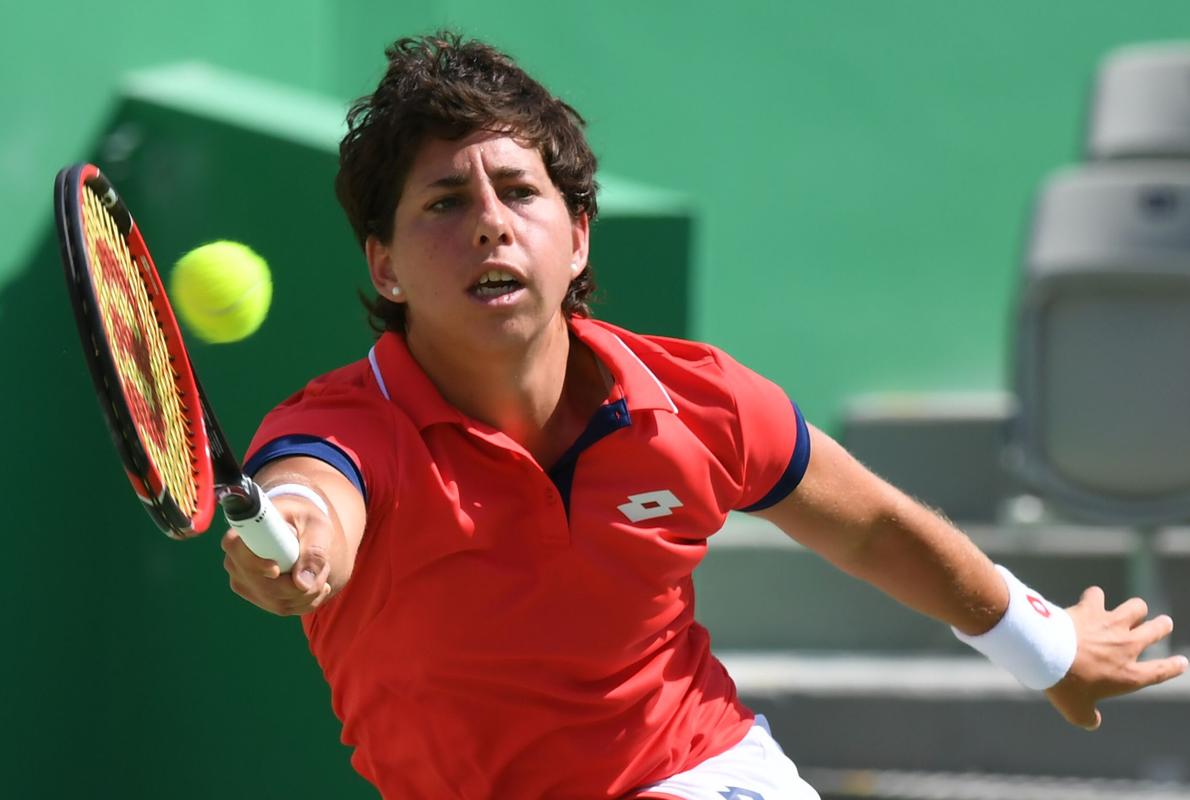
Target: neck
(541, 394)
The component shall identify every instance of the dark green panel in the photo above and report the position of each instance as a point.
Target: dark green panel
(643, 275)
(642, 255)
(146, 675)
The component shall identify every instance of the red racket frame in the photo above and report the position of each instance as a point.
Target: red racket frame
(143, 474)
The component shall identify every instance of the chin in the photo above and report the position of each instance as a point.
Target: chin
(516, 331)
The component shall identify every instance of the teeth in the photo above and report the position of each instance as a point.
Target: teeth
(494, 276)
(493, 291)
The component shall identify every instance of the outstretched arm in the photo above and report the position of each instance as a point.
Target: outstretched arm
(871, 530)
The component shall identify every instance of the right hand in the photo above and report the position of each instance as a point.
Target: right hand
(261, 582)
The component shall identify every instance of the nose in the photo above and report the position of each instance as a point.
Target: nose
(492, 226)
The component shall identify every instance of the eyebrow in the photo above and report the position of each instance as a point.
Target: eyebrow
(457, 179)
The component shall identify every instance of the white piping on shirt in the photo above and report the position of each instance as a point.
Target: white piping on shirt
(668, 399)
(376, 372)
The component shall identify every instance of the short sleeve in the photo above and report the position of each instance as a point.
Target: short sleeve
(772, 439)
(340, 425)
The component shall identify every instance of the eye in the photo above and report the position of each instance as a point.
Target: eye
(520, 193)
(445, 203)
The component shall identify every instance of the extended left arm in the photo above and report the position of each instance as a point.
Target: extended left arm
(871, 530)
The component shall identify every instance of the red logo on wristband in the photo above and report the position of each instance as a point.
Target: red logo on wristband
(1038, 605)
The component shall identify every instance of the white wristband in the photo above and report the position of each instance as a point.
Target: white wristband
(298, 490)
(1034, 640)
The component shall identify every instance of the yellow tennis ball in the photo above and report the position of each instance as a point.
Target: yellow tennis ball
(222, 291)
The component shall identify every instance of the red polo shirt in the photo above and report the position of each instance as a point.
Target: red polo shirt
(513, 632)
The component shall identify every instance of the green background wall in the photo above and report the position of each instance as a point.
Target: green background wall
(861, 170)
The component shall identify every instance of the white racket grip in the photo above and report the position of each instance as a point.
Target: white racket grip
(267, 534)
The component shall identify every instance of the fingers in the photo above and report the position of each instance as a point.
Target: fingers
(1154, 630)
(260, 581)
(244, 559)
(1133, 611)
(1159, 670)
(1110, 642)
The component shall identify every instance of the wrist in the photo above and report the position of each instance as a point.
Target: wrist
(1035, 640)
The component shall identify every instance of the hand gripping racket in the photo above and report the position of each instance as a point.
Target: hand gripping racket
(173, 449)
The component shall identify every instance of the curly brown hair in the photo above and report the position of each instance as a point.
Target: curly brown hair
(443, 86)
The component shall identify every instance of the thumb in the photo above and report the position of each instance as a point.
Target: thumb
(1070, 700)
(313, 560)
(1091, 722)
(1088, 718)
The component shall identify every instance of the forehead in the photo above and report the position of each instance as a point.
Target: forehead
(486, 150)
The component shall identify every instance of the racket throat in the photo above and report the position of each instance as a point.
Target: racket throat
(240, 501)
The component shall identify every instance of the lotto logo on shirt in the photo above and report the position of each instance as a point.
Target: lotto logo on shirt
(650, 505)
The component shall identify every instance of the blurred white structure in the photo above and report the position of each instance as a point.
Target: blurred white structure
(1141, 105)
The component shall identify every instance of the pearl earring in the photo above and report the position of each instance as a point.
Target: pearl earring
(574, 267)
(396, 290)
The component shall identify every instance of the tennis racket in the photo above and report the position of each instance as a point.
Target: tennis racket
(174, 452)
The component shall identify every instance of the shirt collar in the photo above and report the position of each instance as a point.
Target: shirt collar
(401, 379)
(640, 388)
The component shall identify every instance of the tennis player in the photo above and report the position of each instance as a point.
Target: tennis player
(501, 504)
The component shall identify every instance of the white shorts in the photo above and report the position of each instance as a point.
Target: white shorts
(755, 769)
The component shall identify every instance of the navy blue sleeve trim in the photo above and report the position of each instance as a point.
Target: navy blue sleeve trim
(793, 473)
(312, 446)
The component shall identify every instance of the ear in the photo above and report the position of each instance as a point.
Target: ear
(380, 269)
(580, 233)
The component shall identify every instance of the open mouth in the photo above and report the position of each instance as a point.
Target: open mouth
(494, 283)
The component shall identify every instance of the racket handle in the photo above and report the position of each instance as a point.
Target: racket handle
(261, 526)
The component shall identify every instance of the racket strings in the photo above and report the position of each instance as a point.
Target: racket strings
(148, 380)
